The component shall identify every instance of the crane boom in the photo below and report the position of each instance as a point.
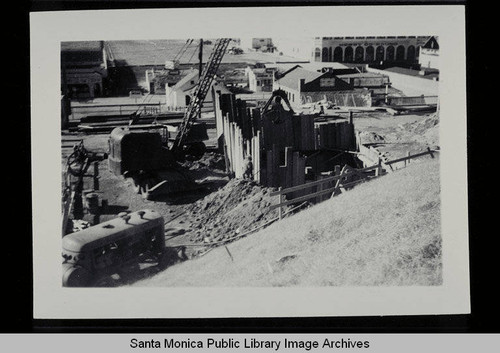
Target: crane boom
(201, 90)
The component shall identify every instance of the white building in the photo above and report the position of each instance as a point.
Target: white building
(260, 79)
(256, 44)
(179, 95)
(429, 54)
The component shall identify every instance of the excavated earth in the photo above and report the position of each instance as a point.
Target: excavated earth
(224, 209)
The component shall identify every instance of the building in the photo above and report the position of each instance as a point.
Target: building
(304, 86)
(178, 96)
(374, 49)
(260, 79)
(261, 44)
(366, 79)
(411, 82)
(84, 69)
(429, 54)
(158, 80)
(235, 78)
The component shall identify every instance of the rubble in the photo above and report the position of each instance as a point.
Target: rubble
(238, 206)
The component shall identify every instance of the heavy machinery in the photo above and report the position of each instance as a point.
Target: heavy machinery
(153, 166)
(274, 110)
(111, 247)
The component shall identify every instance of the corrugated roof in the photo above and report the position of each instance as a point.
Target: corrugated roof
(291, 80)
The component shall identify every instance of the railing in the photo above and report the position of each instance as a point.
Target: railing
(344, 179)
(120, 109)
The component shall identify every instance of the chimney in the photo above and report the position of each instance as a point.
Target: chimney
(302, 82)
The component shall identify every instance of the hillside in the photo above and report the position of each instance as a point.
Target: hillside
(383, 232)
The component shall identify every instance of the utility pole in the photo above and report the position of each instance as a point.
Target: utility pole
(200, 58)
(200, 68)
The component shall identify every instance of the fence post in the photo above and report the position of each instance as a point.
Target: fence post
(408, 154)
(379, 167)
(430, 152)
(280, 211)
(96, 175)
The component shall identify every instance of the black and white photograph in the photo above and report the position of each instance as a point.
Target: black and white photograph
(238, 162)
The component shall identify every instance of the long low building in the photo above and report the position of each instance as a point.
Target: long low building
(361, 49)
(304, 86)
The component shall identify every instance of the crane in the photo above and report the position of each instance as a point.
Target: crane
(200, 93)
(142, 156)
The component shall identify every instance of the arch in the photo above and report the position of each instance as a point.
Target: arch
(324, 56)
(410, 53)
(369, 54)
(359, 54)
(348, 54)
(317, 54)
(389, 55)
(338, 54)
(330, 54)
(400, 53)
(380, 53)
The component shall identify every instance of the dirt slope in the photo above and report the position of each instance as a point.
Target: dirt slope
(383, 232)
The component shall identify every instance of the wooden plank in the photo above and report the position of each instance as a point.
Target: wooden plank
(322, 181)
(350, 137)
(310, 132)
(316, 137)
(410, 157)
(297, 132)
(289, 167)
(288, 131)
(313, 195)
(302, 198)
(301, 173)
(338, 135)
(269, 168)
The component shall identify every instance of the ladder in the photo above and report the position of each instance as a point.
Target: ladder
(201, 90)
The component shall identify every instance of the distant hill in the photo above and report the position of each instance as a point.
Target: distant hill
(384, 232)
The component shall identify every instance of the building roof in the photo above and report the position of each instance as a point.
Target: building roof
(84, 52)
(264, 72)
(410, 72)
(184, 83)
(82, 46)
(291, 79)
(360, 74)
(431, 43)
(311, 66)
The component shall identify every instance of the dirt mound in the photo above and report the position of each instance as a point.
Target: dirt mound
(237, 207)
(425, 131)
(210, 160)
(368, 137)
(421, 127)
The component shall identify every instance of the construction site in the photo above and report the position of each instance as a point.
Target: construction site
(153, 191)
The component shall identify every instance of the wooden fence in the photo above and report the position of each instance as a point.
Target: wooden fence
(329, 186)
(415, 100)
(342, 180)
